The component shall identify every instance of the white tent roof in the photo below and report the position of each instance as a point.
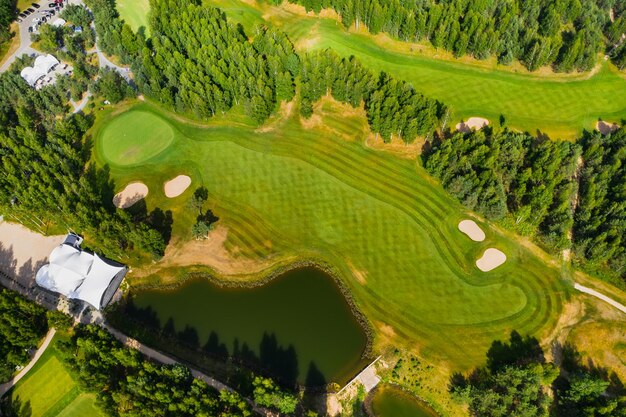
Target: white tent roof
(77, 274)
(96, 282)
(43, 65)
(46, 62)
(58, 22)
(31, 75)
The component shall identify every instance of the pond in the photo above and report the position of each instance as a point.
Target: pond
(389, 401)
(298, 327)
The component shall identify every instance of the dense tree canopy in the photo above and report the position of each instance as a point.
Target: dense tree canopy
(22, 325)
(7, 14)
(527, 179)
(128, 385)
(567, 34)
(46, 173)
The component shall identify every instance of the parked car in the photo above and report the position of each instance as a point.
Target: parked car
(51, 4)
(37, 19)
(18, 20)
(31, 29)
(35, 5)
(23, 15)
(30, 9)
(26, 12)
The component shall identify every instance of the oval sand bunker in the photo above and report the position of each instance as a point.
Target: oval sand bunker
(606, 128)
(133, 192)
(177, 186)
(472, 123)
(471, 229)
(491, 259)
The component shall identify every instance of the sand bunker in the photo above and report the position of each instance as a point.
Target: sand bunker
(471, 229)
(606, 128)
(472, 123)
(491, 259)
(177, 186)
(133, 192)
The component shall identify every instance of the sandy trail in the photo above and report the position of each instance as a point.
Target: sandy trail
(22, 251)
(133, 192)
(472, 123)
(472, 230)
(491, 259)
(177, 186)
(606, 128)
(601, 296)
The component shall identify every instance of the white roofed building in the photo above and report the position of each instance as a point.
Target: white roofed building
(42, 66)
(80, 275)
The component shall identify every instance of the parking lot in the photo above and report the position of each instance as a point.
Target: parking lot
(33, 17)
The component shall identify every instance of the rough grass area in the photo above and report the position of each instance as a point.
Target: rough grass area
(49, 390)
(135, 13)
(560, 105)
(135, 138)
(390, 232)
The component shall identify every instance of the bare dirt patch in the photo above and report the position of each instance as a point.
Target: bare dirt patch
(284, 113)
(491, 259)
(131, 194)
(211, 252)
(23, 251)
(606, 128)
(573, 312)
(472, 123)
(472, 230)
(395, 146)
(177, 186)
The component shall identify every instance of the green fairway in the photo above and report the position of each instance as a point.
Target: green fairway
(390, 232)
(135, 13)
(559, 105)
(137, 138)
(49, 390)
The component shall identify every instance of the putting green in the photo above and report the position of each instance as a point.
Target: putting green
(135, 137)
(390, 232)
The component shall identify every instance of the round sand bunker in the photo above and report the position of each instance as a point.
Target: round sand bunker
(177, 186)
(472, 123)
(471, 229)
(133, 192)
(491, 259)
(606, 128)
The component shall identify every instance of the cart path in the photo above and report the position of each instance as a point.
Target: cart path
(601, 296)
(8, 385)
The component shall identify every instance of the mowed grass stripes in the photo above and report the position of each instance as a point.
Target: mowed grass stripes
(305, 193)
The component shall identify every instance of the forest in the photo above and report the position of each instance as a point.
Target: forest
(126, 384)
(7, 15)
(531, 184)
(565, 34)
(22, 325)
(517, 377)
(47, 177)
(198, 63)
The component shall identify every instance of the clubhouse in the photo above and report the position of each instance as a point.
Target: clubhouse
(80, 275)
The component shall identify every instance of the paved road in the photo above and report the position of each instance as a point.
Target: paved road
(8, 385)
(601, 296)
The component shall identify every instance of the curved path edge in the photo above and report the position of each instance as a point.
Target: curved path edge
(4, 388)
(601, 296)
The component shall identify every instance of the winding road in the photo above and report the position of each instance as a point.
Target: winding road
(601, 296)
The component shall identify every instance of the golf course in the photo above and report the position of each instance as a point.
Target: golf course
(296, 193)
(560, 105)
(49, 390)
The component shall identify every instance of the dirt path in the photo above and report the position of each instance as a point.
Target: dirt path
(8, 385)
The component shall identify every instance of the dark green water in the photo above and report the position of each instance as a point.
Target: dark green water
(299, 326)
(393, 402)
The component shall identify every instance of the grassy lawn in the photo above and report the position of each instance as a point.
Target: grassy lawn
(48, 390)
(135, 13)
(319, 193)
(558, 105)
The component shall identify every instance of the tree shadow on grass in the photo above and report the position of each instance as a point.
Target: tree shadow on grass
(14, 407)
